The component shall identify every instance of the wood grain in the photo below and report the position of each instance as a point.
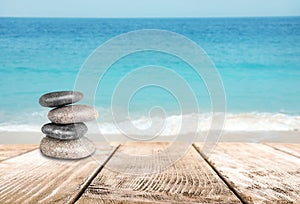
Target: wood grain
(33, 178)
(293, 149)
(258, 173)
(188, 180)
(11, 150)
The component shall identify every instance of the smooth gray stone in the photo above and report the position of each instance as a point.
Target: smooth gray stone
(67, 149)
(72, 114)
(60, 98)
(65, 132)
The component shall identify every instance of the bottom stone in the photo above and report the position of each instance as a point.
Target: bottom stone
(67, 149)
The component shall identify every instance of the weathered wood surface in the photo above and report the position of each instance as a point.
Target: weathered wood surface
(8, 151)
(257, 172)
(33, 178)
(189, 180)
(293, 149)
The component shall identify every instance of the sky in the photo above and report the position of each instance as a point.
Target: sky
(148, 8)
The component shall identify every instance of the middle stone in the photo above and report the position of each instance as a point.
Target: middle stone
(72, 114)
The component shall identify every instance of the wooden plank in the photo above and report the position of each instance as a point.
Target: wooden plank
(33, 178)
(258, 173)
(293, 149)
(189, 180)
(11, 150)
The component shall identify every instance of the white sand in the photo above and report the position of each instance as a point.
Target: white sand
(234, 136)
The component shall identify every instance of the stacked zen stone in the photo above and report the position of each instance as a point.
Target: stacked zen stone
(65, 135)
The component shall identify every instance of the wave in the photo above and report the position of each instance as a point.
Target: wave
(175, 124)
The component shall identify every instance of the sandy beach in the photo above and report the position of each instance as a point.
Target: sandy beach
(233, 136)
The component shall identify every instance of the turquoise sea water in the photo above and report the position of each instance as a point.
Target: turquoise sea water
(258, 60)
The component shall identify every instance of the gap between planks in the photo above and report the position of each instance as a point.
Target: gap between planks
(8, 151)
(33, 178)
(93, 176)
(257, 172)
(220, 175)
(290, 149)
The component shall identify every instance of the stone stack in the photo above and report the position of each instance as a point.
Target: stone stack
(65, 134)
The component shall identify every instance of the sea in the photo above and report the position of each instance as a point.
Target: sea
(257, 60)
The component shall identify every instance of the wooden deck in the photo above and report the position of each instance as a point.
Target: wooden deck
(233, 173)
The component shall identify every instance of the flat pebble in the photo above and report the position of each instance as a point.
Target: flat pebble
(72, 114)
(65, 132)
(60, 98)
(67, 149)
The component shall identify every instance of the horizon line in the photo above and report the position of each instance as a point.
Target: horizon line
(150, 17)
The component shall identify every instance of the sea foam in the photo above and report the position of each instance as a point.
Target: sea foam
(173, 124)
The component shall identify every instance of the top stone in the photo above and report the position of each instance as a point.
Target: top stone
(60, 98)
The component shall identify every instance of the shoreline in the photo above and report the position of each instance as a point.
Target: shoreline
(227, 136)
